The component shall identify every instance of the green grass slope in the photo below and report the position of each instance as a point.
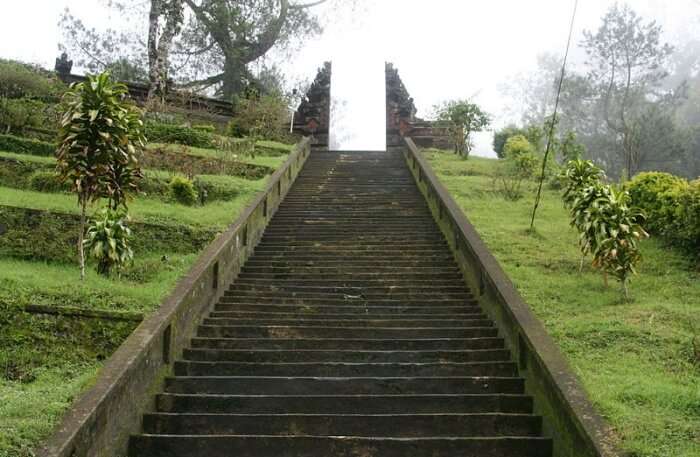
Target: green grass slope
(636, 359)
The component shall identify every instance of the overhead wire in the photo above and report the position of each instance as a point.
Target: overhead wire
(553, 121)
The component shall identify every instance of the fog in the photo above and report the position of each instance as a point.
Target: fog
(444, 49)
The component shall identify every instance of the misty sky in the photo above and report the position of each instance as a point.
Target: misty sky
(443, 48)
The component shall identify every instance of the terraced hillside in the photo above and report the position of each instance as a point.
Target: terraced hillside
(54, 330)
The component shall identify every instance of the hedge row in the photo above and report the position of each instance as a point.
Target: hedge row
(47, 235)
(671, 205)
(177, 134)
(19, 174)
(11, 143)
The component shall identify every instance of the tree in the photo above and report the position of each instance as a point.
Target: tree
(100, 137)
(230, 34)
(463, 118)
(627, 61)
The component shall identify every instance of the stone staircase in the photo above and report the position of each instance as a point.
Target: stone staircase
(350, 332)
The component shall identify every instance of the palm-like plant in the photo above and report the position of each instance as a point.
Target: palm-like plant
(100, 137)
(108, 241)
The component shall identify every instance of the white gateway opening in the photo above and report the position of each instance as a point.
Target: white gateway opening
(358, 105)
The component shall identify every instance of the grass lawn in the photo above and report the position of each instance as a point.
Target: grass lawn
(636, 359)
(46, 361)
(217, 214)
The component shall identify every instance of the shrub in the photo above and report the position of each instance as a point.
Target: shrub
(685, 228)
(107, 240)
(19, 80)
(610, 229)
(501, 136)
(577, 176)
(658, 195)
(47, 181)
(11, 143)
(520, 164)
(183, 191)
(166, 133)
(100, 140)
(260, 117)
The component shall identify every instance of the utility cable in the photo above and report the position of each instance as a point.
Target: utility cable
(553, 122)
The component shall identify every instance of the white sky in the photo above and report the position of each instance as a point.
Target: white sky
(443, 48)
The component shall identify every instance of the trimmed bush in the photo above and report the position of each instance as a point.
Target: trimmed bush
(685, 229)
(182, 190)
(47, 181)
(658, 195)
(165, 133)
(11, 143)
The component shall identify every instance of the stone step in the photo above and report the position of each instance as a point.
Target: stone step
(288, 331)
(345, 307)
(344, 404)
(354, 356)
(305, 385)
(343, 369)
(347, 294)
(359, 314)
(351, 343)
(361, 321)
(396, 425)
(373, 302)
(305, 275)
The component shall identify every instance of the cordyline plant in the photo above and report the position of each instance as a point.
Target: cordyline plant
(610, 230)
(578, 175)
(108, 241)
(100, 137)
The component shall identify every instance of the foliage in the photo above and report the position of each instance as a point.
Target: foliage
(464, 118)
(609, 228)
(99, 142)
(260, 117)
(520, 164)
(577, 176)
(47, 181)
(11, 143)
(657, 194)
(686, 226)
(501, 136)
(207, 128)
(108, 241)
(570, 148)
(179, 134)
(20, 80)
(628, 60)
(618, 230)
(635, 359)
(183, 191)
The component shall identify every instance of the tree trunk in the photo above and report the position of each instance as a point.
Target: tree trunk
(233, 80)
(81, 237)
(159, 47)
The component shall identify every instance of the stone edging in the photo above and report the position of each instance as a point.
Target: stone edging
(101, 420)
(569, 417)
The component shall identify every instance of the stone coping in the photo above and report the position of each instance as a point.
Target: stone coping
(101, 420)
(569, 417)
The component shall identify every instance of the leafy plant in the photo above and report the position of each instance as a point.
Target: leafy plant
(658, 194)
(12, 143)
(18, 80)
(577, 176)
(262, 116)
(463, 118)
(100, 138)
(47, 181)
(179, 134)
(618, 230)
(108, 241)
(183, 190)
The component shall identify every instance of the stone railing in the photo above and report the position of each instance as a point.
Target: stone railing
(569, 417)
(100, 422)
